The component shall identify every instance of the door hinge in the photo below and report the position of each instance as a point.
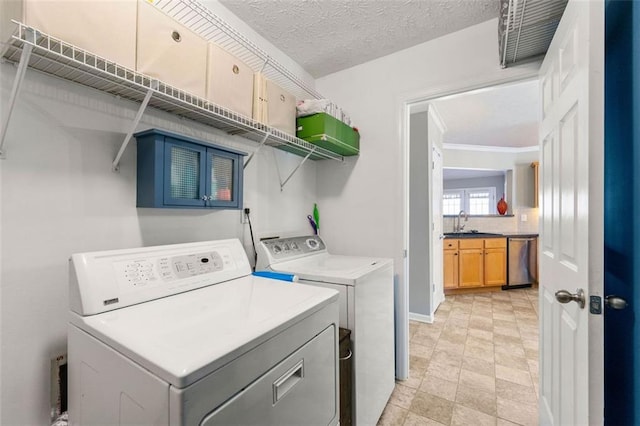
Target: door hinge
(433, 165)
(404, 254)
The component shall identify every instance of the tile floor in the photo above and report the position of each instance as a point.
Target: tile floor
(477, 364)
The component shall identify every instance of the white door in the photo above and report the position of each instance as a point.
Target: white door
(571, 225)
(436, 234)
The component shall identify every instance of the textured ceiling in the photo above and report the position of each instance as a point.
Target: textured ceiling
(326, 36)
(504, 116)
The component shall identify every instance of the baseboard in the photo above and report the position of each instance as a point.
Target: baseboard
(516, 286)
(421, 318)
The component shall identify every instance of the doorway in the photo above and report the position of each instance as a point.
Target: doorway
(481, 133)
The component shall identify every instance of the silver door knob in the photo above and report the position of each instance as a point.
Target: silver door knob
(615, 302)
(563, 296)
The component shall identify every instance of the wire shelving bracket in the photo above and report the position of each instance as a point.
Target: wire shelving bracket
(293, 172)
(17, 84)
(116, 162)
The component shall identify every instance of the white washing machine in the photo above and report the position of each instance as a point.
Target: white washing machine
(185, 335)
(366, 308)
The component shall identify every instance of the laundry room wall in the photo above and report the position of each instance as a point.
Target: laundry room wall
(58, 196)
(363, 200)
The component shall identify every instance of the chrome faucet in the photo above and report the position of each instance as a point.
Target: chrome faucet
(459, 227)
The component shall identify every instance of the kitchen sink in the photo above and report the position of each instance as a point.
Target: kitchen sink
(470, 235)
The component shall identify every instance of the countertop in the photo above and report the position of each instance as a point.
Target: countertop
(491, 235)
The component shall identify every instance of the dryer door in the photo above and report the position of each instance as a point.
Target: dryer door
(299, 390)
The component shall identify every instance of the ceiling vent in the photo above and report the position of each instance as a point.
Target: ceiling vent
(526, 28)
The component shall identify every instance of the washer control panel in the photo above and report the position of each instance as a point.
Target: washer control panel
(284, 248)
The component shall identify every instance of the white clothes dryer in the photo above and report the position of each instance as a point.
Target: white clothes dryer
(366, 304)
(185, 335)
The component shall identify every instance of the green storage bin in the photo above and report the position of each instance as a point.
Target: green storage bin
(329, 133)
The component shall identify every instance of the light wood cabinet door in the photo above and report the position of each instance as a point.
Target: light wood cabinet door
(474, 262)
(495, 266)
(450, 262)
(471, 270)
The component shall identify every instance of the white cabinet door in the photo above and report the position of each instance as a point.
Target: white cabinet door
(437, 231)
(571, 226)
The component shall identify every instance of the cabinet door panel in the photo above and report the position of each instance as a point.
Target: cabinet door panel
(450, 244)
(495, 242)
(495, 266)
(184, 178)
(471, 243)
(471, 268)
(450, 262)
(224, 179)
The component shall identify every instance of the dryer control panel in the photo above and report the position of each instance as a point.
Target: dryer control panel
(156, 270)
(102, 281)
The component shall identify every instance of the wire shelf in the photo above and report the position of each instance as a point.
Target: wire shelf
(63, 60)
(212, 28)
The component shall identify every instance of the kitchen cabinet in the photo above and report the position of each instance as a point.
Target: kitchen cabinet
(471, 268)
(536, 185)
(474, 263)
(178, 172)
(495, 261)
(450, 262)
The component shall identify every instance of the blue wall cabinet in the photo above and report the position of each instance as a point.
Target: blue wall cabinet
(178, 172)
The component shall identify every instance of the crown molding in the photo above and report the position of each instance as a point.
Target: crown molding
(488, 148)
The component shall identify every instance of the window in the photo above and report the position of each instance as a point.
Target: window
(474, 201)
(452, 202)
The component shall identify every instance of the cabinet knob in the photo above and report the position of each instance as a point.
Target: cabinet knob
(206, 198)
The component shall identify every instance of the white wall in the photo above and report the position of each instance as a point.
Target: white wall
(362, 200)
(59, 196)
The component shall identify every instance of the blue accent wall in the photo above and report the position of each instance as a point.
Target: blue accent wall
(622, 194)
(635, 35)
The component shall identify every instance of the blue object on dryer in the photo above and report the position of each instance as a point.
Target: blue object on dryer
(313, 224)
(276, 275)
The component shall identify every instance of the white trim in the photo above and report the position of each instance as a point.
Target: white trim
(488, 148)
(421, 318)
(437, 118)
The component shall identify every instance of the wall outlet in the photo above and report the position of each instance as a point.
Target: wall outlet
(243, 214)
(523, 217)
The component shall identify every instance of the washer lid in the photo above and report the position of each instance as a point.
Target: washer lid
(331, 268)
(184, 337)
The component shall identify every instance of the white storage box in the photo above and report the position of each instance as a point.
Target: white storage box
(168, 51)
(104, 28)
(229, 81)
(273, 106)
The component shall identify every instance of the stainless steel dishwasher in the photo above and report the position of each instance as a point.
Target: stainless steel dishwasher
(522, 258)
